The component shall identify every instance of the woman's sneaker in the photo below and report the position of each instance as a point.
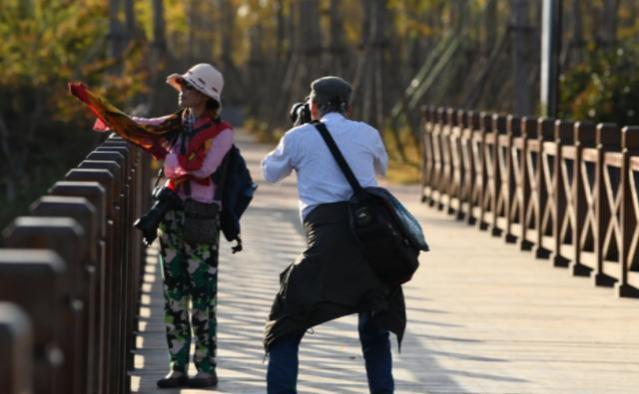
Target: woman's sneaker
(203, 379)
(173, 379)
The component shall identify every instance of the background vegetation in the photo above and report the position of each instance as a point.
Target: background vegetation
(399, 54)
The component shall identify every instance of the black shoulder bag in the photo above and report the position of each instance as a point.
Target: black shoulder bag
(391, 238)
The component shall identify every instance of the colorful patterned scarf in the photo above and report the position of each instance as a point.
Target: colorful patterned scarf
(155, 139)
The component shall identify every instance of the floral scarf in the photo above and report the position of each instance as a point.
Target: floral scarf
(155, 139)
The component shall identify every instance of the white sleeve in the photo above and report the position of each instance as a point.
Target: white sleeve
(380, 156)
(150, 121)
(278, 164)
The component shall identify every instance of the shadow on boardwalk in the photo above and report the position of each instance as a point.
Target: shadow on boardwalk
(483, 317)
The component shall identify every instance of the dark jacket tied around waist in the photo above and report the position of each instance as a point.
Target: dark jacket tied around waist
(331, 279)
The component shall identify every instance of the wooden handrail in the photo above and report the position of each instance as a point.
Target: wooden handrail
(566, 190)
(90, 299)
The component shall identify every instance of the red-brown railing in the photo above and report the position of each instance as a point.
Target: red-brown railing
(74, 267)
(566, 190)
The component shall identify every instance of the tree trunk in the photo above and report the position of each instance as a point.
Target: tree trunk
(116, 34)
(311, 44)
(380, 36)
(159, 33)
(226, 30)
(256, 72)
(199, 43)
(281, 33)
(279, 66)
(364, 77)
(159, 57)
(457, 13)
(129, 13)
(337, 61)
(491, 28)
(191, 13)
(26, 8)
(9, 178)
(521, 70)
(578, 41)
(610, 17)
(373, 83)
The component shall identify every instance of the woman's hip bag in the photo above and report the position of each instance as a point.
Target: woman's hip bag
(201, 222)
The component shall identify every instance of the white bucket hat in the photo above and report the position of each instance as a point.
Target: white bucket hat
(205, 78)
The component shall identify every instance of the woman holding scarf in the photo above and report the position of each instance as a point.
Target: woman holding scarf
(192, 142)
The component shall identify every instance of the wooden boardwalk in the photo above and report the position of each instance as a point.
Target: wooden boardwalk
(483, 316)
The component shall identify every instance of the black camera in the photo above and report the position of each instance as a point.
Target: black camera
(300, 113)
(164, 199)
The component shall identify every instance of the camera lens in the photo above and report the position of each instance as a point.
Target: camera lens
(295, 111)
(165, 200)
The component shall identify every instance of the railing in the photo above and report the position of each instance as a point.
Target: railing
(74, 267)
(568, 191)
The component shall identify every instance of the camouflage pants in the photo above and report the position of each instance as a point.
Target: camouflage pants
(190, 274)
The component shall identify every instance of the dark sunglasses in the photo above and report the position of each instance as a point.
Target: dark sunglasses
(184, 85)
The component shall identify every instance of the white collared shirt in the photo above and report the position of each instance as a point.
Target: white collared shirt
(319, 178)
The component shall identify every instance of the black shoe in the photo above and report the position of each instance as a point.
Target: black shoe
(203, 379)
(172, 380)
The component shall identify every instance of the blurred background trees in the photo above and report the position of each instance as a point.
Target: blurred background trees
(399, 54)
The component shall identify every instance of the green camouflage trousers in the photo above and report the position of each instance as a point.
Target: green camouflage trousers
(190, 274)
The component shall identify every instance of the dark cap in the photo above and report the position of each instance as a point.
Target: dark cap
(331, 90)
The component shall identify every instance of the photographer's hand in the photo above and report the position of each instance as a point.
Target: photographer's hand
(300, 114)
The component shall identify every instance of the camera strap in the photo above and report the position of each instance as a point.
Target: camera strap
(159, 176)
(183, 144)
(184, 140)
(187, 189)
(189, 122)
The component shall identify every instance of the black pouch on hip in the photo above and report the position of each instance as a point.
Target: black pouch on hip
(201, 222)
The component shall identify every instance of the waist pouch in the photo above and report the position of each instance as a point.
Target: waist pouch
(201, 222)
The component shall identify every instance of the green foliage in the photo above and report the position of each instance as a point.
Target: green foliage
(43, 130)
(605, 88)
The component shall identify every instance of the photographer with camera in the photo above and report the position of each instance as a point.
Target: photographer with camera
(331, 278)
(186, 210)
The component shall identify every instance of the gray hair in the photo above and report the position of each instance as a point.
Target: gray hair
(326, 106)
